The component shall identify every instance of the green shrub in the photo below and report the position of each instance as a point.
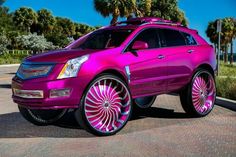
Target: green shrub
(9, 58)
(226, 87)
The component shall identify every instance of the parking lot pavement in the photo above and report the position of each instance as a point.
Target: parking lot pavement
(163, 130)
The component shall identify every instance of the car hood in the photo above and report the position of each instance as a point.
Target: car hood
(58, 56)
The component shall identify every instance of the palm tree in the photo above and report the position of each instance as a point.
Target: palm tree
(116, 8)
(211, 33)
(46, 21)
(228, 34)
(24, 18)
(228, 29)
(144, 8)
(232, 36)
(2, 1)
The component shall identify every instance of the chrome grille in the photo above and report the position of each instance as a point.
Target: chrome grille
(32, 70)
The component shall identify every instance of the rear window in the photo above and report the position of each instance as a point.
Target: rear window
(171, 38)
(189, 39)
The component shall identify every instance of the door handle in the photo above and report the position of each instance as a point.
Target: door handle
(160, 57)
(190, 51)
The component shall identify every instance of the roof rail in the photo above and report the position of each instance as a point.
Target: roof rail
(147, 20)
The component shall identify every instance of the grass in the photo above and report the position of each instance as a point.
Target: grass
(8, 58)
(226, 81)
(226, 87)
(227, 70)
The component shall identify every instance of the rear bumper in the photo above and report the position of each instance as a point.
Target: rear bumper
(71, 101)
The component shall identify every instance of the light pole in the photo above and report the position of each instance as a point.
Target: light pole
(218, 52)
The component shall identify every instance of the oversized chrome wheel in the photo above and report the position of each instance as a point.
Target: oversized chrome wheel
(42, 117)
(106, 105)
(203, 92)
(199, 97)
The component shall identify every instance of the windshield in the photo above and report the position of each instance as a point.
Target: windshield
(103, 39)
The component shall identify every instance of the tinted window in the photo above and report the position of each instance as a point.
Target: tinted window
(189, 39)
(103, 39)
(150, 37)
(171, 38)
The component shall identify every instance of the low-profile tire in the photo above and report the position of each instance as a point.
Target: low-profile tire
(143, 102)
(105, 107)
(42, 117)
(199, 95)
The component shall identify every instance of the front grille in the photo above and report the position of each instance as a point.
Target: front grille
(33, 70)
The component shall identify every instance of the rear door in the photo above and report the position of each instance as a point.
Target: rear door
(180, 48)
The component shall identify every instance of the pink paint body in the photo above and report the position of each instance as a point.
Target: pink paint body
(149, 74)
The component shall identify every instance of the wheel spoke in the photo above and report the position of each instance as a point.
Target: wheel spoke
(203, 92)
(107, 105)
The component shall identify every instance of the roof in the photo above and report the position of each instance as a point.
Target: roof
(134, 23)
(147, 20)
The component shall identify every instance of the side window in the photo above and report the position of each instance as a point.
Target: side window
(149, 36)
(171, 38)
(189, 39)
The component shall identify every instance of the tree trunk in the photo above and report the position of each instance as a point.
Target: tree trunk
(231, 52)
(224, 54)
(114, 19)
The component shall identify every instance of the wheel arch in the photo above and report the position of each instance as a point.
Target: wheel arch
(207, 67)
(114, 72)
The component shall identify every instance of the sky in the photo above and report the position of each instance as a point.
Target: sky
(198, 12)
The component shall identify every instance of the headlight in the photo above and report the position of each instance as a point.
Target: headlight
(72, 67)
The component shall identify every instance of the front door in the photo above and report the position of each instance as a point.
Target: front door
(148, 67)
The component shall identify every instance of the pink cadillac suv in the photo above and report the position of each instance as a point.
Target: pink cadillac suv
(106, 73)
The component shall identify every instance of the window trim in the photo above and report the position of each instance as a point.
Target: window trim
(158, 34)
(182, 33)
(139, 32)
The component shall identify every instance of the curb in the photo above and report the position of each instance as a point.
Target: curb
(9, 65)
(227, 103)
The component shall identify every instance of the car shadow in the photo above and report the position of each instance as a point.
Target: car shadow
(11, 73)
(8, 86)
(156, 112)
(13, 125)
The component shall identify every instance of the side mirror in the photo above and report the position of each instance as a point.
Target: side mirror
(139, 45)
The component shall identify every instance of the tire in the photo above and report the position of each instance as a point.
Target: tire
(42, 117)
(198, 97)
(144, 102)
(105, 107)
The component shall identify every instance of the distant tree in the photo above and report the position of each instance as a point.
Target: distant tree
(144, 6)
(25, 18)
(1, 2)
(4, 42)
(211, 32)
(34, 42)
(65, 26)
(59, 40)
(6, 22)
(228, 34)
(82, 29)
(12, 36)
(46, 21)
(115, 8)
(229, 31)
(166, 9)
(97, 27)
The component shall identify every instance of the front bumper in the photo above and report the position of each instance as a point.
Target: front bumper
(47, 102)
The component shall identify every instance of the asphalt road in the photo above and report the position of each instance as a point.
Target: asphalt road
(164, 130)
